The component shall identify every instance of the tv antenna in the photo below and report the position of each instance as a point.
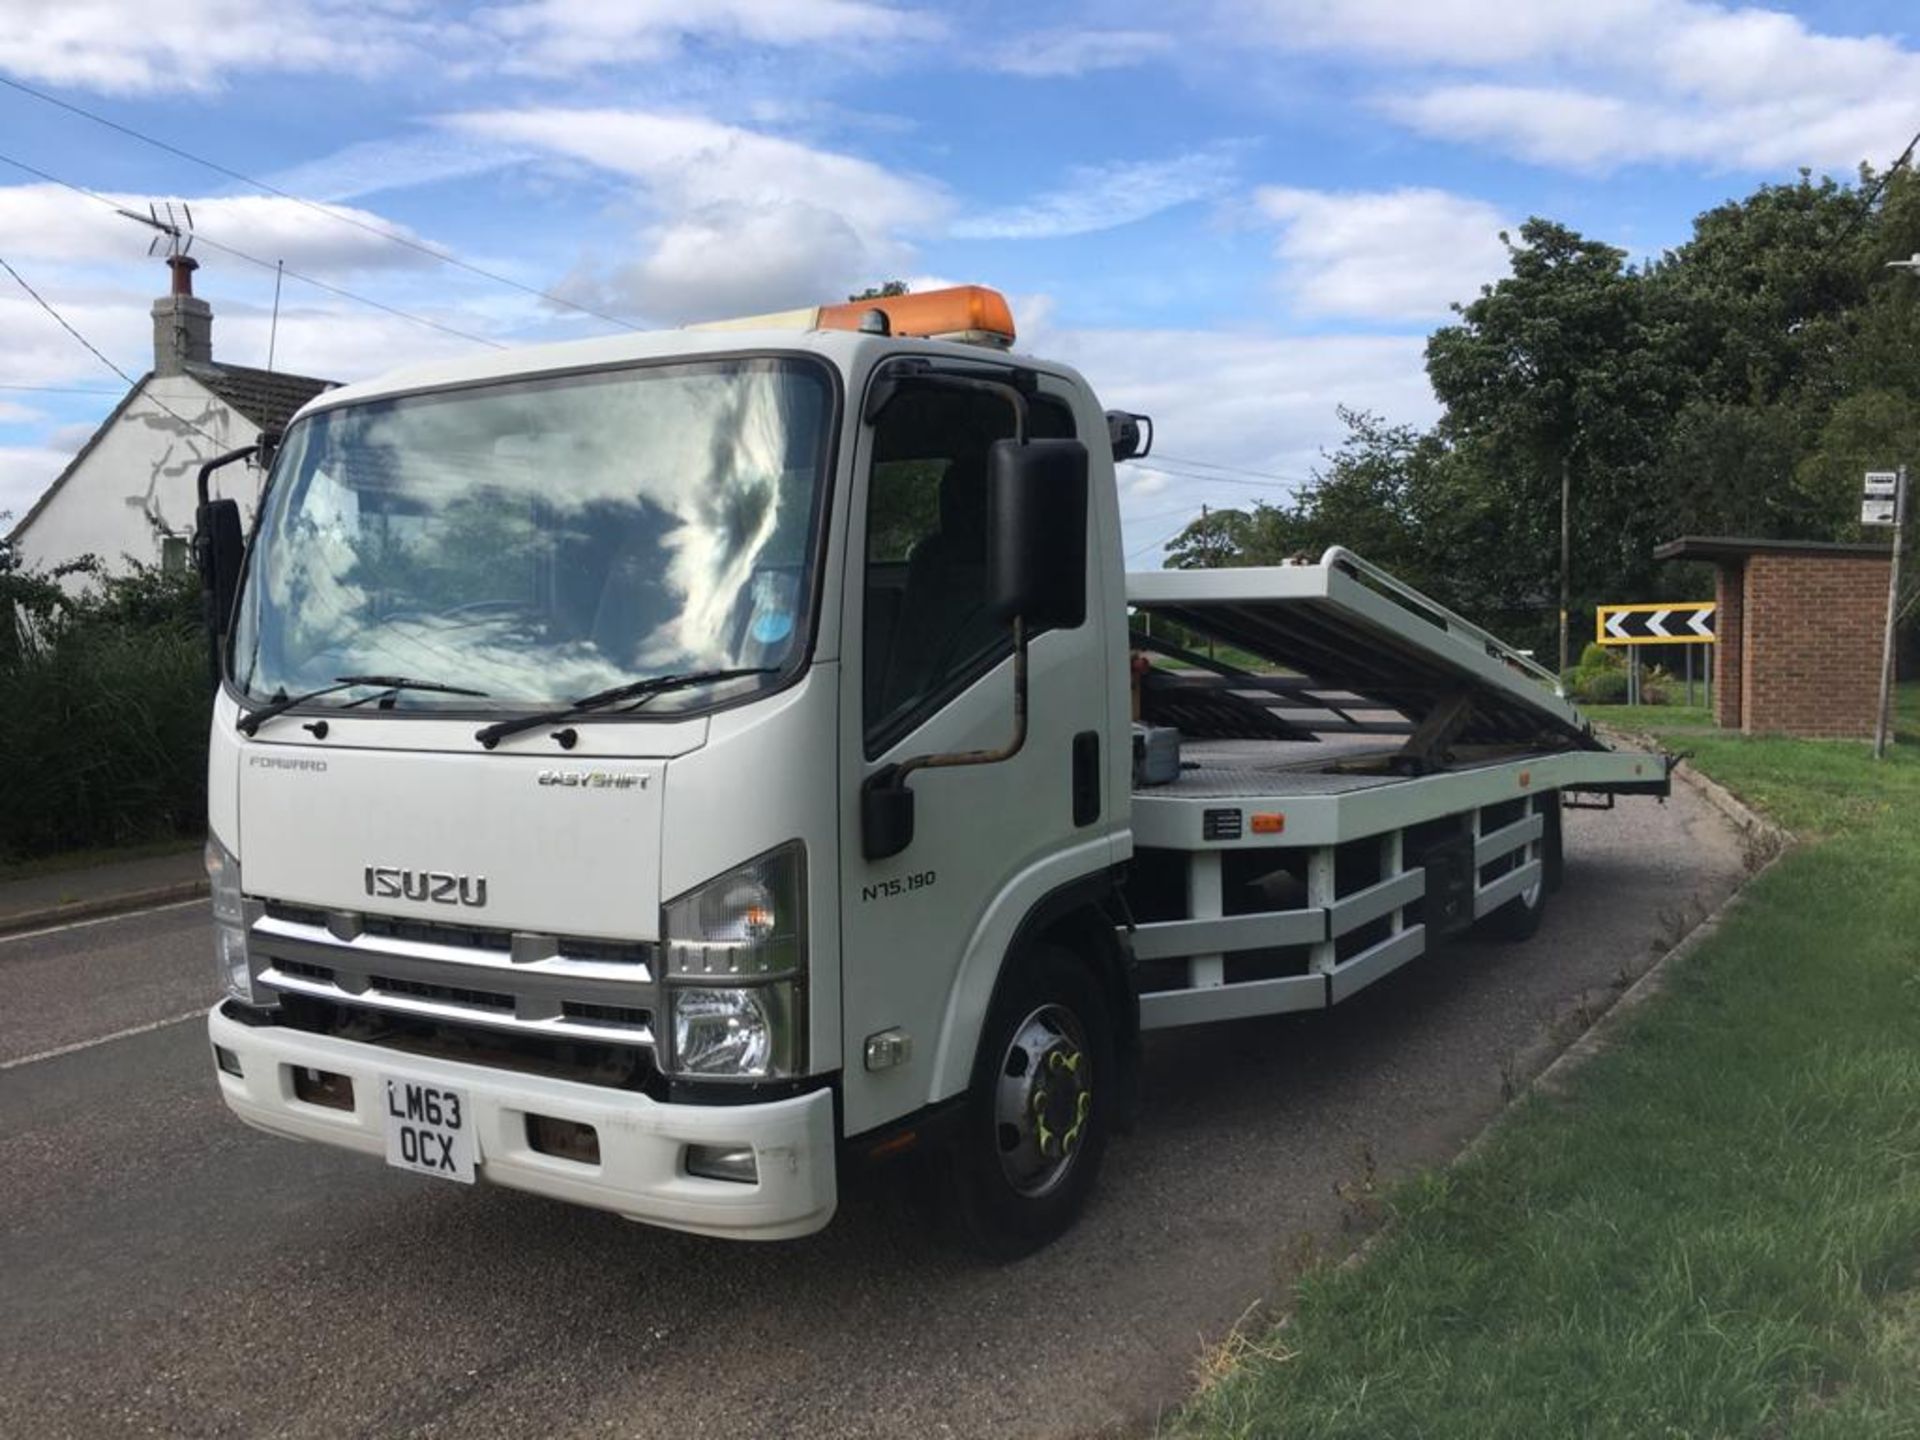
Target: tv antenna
(173, 235)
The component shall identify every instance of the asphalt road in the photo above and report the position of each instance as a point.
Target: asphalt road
(165, 1271)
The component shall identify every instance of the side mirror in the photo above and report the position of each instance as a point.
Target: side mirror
(1037, 533)
(219, 546)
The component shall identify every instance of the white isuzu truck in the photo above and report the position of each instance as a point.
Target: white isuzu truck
(658, 772)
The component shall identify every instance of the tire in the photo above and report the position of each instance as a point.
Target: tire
(1045, 1085)
(1553, 843)
(1519, 918)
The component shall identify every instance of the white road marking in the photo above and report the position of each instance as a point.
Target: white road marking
(103, 919)
(54, 1054)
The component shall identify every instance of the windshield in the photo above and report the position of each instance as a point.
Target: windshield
(544, 539)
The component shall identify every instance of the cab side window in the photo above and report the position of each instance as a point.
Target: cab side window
(927, 630)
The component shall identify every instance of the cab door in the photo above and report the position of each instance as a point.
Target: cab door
(931, 672)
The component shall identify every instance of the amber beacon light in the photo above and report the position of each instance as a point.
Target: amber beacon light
(970, 314)
(963, 312)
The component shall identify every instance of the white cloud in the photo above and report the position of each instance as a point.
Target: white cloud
(565, 36)
(737, 220)
(53, 223)
(1447, 32)
(1611, 82)
(1265, 403)
(39, 352)
(1101, 197)
(395, 163)
(1048, 54)
(25, 471)
(732, 258)
(1404, 254)
(118, 47)
(124, 48)
(1588, 131)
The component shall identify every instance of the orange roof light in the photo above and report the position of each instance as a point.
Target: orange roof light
(964, 312)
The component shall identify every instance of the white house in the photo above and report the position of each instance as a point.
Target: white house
(131, 489)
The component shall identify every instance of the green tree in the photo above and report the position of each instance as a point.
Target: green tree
(1219, 538)
(1555, 379)
(885, 290)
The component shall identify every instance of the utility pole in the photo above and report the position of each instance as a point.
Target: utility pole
(1208, 541)
(1566, 552)
(1883, 717)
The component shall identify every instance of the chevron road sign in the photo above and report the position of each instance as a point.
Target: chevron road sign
(1677, 623)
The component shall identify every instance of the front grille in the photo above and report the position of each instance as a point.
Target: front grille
(607, 1014)
(303, 971)
(538, 985)
(460, 937)
(446, 994)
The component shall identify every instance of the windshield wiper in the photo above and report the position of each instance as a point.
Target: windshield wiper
(254, 719)
(640, 690)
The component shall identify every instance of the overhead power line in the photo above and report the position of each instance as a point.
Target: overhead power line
(333, 289)
(1229, 469)
(1879, 185)
(274, 265)
(96, 352)
(445, 257)
(1197, 475)
(1162, 542)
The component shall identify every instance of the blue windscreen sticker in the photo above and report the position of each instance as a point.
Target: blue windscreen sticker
(770, 627)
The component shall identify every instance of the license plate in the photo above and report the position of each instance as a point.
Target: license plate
(429, 1129)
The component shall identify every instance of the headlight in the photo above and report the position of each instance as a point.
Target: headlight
(229, 924)
(736, 963)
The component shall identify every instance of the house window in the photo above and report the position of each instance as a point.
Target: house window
(174, 550)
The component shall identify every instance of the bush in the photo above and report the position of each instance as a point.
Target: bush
(104, 708)
(1594, 656)
(1602, 687)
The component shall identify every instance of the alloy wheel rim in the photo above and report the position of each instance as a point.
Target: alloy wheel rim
(1043, 1100)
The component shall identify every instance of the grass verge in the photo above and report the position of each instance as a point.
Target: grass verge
(1713, 1229)
(1650, 717)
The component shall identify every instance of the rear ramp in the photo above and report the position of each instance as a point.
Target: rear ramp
(1367, 655)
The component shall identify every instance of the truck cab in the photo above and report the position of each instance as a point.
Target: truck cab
(638, 764)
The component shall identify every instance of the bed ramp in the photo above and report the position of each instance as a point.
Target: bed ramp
(1362, 653)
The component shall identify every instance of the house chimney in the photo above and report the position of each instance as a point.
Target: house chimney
(182, 322)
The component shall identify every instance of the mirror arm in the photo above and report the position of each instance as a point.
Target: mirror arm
(245, 452)
(985, 757)
(886, 801)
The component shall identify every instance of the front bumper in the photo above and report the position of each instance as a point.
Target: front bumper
(641, 1173)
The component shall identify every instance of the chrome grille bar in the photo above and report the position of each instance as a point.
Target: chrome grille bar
(545, 992)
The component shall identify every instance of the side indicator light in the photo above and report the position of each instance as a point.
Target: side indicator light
(1267, 824)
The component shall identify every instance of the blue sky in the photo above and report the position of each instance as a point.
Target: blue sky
(1233, 214)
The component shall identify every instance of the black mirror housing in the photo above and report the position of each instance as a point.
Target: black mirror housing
(1037, 533)
(219, 547)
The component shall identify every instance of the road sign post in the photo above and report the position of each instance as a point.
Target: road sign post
(1885, 503)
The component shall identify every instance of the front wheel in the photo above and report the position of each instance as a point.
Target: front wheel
(1038, 1115)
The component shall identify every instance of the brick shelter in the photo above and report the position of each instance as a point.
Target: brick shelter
(1799, 626)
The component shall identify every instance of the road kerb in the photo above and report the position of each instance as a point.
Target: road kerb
(100, 906)
(1596, 1037)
